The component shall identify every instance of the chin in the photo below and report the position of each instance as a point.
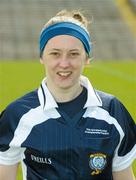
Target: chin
(64, 86)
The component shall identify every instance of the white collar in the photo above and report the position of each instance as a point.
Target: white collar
(47, 101)
(93, 98)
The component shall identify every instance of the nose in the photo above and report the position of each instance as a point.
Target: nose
(64, 62)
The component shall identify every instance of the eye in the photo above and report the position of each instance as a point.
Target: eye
(55, 54)
(74, 54)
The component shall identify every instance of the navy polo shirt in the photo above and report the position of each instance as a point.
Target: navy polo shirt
(55, 145)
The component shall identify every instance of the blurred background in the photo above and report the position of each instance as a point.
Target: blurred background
(113, 27)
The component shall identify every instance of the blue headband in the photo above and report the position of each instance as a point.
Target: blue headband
(65, 28)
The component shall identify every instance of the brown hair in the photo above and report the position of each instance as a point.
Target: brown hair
(74, 16)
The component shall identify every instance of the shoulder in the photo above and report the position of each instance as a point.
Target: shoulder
(115, 108)
(28, 100)
(113, 105)
(20, 106)
(110, 102)
(106, 99)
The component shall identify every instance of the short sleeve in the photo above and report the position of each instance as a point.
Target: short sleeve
(11, 156)
(125, 152)
(8, 123)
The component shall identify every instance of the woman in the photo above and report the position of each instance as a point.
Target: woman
(67, 130)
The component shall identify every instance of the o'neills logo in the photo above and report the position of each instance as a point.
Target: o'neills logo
(42, 160)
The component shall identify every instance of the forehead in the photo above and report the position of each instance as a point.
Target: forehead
(64, 41)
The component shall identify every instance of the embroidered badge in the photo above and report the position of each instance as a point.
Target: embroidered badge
(97, 163)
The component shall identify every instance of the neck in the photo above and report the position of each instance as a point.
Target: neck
(65, 94)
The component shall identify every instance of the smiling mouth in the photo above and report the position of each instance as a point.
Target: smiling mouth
(64, 74)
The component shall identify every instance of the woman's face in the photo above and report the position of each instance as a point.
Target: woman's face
(64, 57)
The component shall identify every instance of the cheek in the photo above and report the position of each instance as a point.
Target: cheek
(51, 68)
(78, 64)
(50, 63)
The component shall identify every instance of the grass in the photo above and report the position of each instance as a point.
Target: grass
(115, 77)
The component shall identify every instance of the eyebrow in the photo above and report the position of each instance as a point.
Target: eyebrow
(75, 50)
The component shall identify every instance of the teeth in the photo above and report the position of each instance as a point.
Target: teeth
(64, 73)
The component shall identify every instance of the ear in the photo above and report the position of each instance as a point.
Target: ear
(87, 61)
(41, 60)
